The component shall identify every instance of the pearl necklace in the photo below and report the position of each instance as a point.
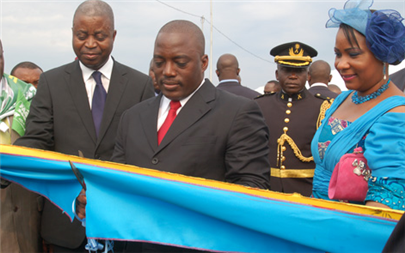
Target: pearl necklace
(361, 99)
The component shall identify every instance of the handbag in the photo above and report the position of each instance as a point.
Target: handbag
(350, 176)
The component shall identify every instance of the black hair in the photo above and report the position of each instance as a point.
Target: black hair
(349, 34)
(25, 65)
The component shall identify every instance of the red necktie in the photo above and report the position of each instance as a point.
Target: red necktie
(174, 105)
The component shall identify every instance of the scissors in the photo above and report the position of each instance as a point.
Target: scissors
(78, 175)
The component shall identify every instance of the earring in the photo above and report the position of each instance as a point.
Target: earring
(384, 72)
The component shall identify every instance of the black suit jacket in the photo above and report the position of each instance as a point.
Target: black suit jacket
(60, 120)
(216, 135)
(238, 89)
(323, 91)
(396, 241)
(399, 79)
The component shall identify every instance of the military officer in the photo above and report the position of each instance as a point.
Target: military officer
(292, 116)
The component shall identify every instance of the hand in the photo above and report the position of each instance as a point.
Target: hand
(46, 247)
(81, 202)
(377, 204)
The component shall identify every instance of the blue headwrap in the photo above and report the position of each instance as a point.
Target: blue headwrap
(383, 29)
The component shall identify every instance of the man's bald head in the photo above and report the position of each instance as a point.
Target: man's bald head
(179, 59)
(334, 88)
(186, 27)
(319, 72)
(95, 8)
(272, 86)
(227, 67)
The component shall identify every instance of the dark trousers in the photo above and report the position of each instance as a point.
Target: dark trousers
(52, 248)
(135, 247)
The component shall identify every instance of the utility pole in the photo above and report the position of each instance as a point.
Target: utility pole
(211, 63)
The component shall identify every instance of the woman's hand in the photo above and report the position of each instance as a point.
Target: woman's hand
(376, 204)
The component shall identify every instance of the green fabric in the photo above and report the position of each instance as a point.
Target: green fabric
(15, 99)
(22, 107)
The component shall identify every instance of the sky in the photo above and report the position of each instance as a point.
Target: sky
(40, 31)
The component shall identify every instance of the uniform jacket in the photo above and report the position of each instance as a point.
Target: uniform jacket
(60, 120)
(297, 120)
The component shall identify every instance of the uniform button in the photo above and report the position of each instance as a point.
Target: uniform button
(283, 148)
(155, 161)
(286, 120)
(282, 167)
(289, 104)
(283, 158)
(288, 112)
(15, 209)
(285, 129)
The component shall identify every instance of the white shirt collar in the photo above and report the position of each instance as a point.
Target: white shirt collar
(106, 69)
(229, 80)
(165, 102)
(319, 84)
(164, 106)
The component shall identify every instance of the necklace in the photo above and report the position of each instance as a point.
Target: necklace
(360, 99)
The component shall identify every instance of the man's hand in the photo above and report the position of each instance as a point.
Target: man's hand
(81, 202)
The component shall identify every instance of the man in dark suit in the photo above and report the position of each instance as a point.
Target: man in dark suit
(318, 78)
(292, 116)
(228, 73)
(63, 111)
(214, 134)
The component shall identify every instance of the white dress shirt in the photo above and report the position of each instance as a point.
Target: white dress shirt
(105, 70)
(165, 106)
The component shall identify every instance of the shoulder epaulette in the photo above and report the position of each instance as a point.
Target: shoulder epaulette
(265, 95)
(322, 111)
(320, 96)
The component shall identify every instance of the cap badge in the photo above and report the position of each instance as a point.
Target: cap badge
(296, 51)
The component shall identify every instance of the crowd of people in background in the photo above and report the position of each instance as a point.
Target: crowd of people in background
(287, 139)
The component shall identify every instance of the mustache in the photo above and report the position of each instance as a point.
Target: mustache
(169, 81)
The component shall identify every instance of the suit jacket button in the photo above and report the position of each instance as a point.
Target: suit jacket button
(155, 161)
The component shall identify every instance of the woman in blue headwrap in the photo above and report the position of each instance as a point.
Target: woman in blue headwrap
(371, 114)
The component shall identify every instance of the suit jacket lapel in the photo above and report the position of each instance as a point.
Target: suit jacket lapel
(77, 88)
(149, 121)
(115, 91)
(198, 105)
